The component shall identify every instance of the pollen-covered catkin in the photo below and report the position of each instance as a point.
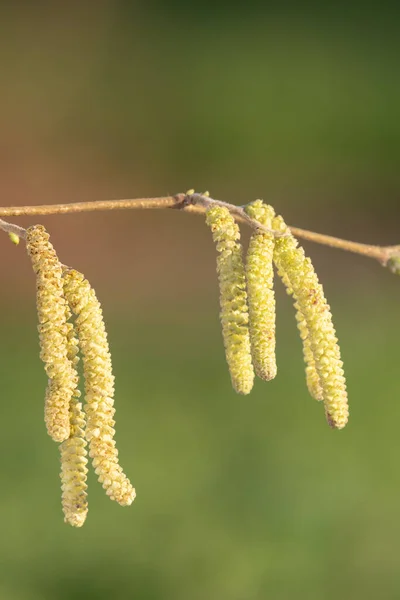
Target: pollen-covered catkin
(73, 450)
(233, 297)
(51, 309)
(261, 297)
(312, 377)
(74, 470)
(298, 275)
(99, 387)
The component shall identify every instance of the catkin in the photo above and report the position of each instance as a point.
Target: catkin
(312, 377)
(99, 387)
(73, 450)
(51, 309)
(315, 323)
(261, 297)
(233, 298)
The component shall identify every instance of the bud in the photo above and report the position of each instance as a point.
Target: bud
(99, 387)
(298, 275)
(51, 309)
(14, 238)
(261, 297)
(233, 297)
(394, 264)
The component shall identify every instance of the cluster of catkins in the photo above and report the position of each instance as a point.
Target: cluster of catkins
(71, 322)
(248, 307)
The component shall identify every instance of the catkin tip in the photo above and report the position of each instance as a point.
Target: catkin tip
(75, 520)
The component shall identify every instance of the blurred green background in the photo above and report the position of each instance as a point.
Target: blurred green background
(238, 498)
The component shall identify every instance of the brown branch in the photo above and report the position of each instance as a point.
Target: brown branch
(75, 207)
(193, 203)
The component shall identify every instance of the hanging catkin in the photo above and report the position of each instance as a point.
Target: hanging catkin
(73, 451)
(99, 387)
(261, 297)
(234, 313)
(52, 327)
(315, 323)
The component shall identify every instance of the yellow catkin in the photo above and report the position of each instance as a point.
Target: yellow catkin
(73, 450)
(99, 387)
(233, 298)
(51, 309)
(261, 297)
(298, 275)
(312, 377)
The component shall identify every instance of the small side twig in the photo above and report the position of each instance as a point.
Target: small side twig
(11, 228)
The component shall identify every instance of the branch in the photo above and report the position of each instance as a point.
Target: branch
(197, 203)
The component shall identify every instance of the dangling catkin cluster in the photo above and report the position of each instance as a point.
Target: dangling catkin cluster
(51, 309)
(71, 321)
(272, 242)
(261, 297)
(321, 351)
(60, 290)
(99, 387)
(233, 297)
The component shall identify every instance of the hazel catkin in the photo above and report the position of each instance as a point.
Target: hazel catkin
(261, 297)
(99, 387)
(73, 451)
(73, 468)
(315, 324)
(234, 313)
(52, 327)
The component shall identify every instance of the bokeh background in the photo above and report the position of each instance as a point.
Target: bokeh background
(238, 498)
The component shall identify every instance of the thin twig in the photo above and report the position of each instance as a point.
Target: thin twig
(192, 203)
(74, 207)
(11, 228)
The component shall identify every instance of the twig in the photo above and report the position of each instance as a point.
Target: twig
(11, 228)
(192, 203)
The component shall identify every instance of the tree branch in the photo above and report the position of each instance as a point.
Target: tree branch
(196, 203)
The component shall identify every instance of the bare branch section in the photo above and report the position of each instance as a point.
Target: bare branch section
(196, 203)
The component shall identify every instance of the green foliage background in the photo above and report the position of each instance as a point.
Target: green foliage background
(238, 498)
